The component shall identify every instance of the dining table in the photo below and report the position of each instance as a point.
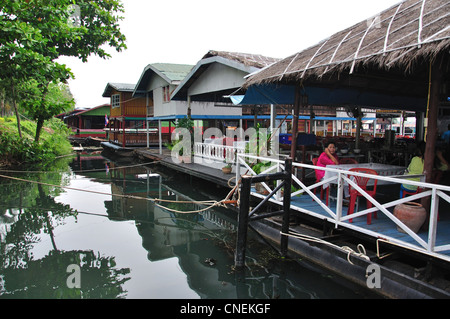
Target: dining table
(381, 169)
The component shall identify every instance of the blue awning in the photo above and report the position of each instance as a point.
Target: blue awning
(285, 94)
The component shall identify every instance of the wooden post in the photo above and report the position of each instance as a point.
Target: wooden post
(436, 82)
(435, 85)
(286, 206)
(297, 103)
(358, 128)
(241, 242)
(244, 215)
(123, 133)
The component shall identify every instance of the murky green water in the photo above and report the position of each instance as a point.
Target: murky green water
(100, 238)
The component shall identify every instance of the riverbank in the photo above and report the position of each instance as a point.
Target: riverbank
(404, 274)
(16, 151)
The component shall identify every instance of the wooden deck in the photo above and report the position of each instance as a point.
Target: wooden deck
(381, 227)
(213, 175)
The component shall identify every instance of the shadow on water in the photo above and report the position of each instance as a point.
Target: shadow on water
(127, 246)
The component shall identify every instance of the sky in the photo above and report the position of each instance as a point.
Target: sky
(183, 31)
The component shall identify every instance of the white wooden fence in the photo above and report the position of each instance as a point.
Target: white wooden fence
(211, 152)
(437, 192)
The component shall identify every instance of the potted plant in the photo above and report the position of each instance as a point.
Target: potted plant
(184, 158)
(226, 169)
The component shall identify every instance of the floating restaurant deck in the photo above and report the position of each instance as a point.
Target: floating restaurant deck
(381, 226)
(201, 171)
(358, 230)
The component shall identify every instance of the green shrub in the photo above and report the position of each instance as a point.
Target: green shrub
(15, 150)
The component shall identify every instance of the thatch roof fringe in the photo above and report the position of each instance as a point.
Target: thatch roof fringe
(398, 36)
(248, 59)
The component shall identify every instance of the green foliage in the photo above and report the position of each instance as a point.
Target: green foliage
(15, 150)
(185, 129)
(186, 123)
(35, 33)
(43, 102)
(260, 167)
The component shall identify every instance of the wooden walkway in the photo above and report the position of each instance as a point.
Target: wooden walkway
(213, 175)
(381, 227)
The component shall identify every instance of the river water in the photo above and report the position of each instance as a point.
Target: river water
(101, 235)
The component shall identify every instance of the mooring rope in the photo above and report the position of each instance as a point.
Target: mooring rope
(211, 203)
(360, 253)
(81, 171)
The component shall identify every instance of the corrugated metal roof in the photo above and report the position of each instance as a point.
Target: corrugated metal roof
(122, 87)
(169, 72)
(174, 72)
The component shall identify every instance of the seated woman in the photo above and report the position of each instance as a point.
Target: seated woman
(415, 167)
(328, 157)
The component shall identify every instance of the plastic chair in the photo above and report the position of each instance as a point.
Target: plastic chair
(404, 191)
(362, 183)
(348, 160)
(314, 161)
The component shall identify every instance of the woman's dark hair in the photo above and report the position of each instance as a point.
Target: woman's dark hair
(420, 151)
(327, 143)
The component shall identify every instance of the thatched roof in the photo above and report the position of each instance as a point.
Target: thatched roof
(255, 60)
(400, 37)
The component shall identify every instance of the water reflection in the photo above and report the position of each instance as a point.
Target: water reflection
(30, 214)
(128, 246)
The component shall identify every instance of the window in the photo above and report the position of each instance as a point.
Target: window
(166, 94)
(115, 100)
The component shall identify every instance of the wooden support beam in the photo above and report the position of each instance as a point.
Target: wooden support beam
(297, 104)
(435, 79)
(433, 109)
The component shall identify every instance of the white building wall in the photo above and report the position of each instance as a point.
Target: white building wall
(208, 108)
(217, 77)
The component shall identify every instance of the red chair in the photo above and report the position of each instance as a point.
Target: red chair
(314, 161)
(362, 183)
(404, 192)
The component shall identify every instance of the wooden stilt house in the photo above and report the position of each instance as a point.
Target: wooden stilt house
(127, 121)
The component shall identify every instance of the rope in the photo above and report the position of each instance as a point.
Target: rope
(82, 171)
(212, 203)
(361, 250)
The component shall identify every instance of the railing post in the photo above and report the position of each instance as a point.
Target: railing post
(434, 211)
(286, 206)
(238, 169)
(339, 197)
(239, 258)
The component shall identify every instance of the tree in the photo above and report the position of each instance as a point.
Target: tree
(34, 33)
(43, 102)
(17, 56)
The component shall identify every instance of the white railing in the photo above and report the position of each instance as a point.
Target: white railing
(342, 178)
(217, 152)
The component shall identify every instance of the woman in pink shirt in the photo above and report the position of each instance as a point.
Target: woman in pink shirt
(328, 157)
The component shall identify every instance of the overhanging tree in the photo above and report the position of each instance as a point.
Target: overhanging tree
(34, 33)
